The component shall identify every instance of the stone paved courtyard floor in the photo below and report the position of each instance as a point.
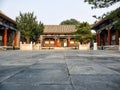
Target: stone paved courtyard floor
(60, 70)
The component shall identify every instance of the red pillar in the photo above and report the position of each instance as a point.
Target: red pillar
(15, 38)
(5, 36)
(68, 43)
(55, 43)
(109, 36)
(117, 37)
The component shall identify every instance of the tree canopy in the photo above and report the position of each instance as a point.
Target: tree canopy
(101, 3)
(109, 15)
(69, 22)
(29, 27)
(114, 15)
(83, 33)
(117, 25)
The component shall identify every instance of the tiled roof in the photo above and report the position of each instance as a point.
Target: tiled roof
(59, 29)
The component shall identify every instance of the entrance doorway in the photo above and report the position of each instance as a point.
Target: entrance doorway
(63, 42)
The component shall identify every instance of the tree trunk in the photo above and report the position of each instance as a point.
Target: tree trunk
(28, 40)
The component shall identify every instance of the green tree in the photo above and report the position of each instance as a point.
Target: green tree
(101, 3)
(38, 31)
(113, 14)
(83, 33)
(117, 25)
(69, 22)
(28, 26)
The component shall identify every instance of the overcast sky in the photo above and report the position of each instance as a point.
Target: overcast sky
(53, 11)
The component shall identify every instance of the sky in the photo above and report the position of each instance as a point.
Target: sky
(53, 12)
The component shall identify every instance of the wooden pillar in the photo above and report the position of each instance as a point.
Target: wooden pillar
(55, 43)
(68, 43)
(117, 37)
(5, 36)
(15, 38)
(109, 36)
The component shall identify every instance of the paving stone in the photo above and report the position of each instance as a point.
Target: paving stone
(91, 69)
(34, 87)
(7, 72)
(59, 70)
(51, 60)
(96, 82)
(49, 66)
(40, 77)
(113, 66)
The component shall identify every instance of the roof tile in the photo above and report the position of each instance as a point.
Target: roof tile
(59, 29)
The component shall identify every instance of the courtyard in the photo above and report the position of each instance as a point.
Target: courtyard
(59, 70)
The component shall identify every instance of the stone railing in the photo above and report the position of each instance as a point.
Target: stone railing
(84, 46)
(31, 46)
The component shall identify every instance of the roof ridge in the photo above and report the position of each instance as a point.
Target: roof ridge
(8, 18)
